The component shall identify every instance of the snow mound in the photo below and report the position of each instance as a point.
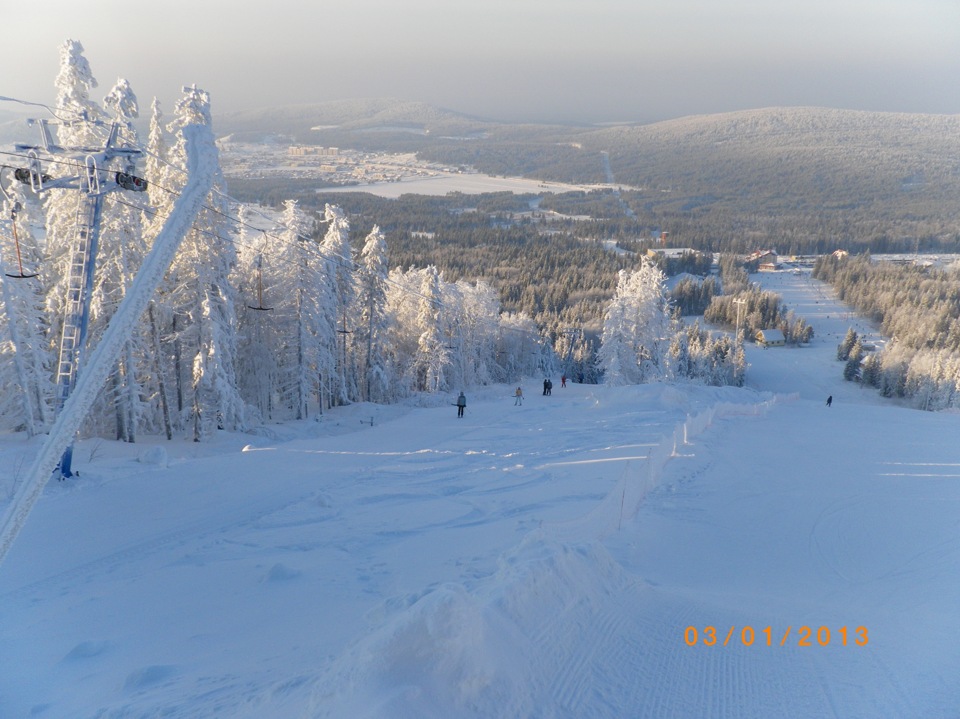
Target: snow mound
(149, 676)
(86, 650)
(156, 456)
(282, 573)
(463, 652)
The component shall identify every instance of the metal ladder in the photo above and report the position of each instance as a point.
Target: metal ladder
(80, 274)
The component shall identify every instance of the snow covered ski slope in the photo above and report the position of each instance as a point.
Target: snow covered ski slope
(653, 551)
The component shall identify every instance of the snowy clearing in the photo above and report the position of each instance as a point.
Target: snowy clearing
(564, 558)
(469, 183)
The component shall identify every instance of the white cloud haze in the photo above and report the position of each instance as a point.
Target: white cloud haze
(527, 60)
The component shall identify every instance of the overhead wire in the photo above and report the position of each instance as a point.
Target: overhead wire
(309, 246)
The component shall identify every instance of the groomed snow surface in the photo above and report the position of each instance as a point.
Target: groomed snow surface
(555, 559)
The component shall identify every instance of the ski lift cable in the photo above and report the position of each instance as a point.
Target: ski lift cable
(280, 260)
(399, 285)
(311, 249)
(315, 251)
(33, 104)
(66, 162)
(224, 195)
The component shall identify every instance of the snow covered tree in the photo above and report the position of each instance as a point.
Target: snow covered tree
(293, 270)
(870, 371)
(157, 170)
(636, 328)
(851, 370)
(122, 249)
(205, 298)
(843, 349)
(78, 114)
(257, 322)
(25, 379)
(476, 329)
(370, 334)
(432, 357)
(341, 292)
(518, 346)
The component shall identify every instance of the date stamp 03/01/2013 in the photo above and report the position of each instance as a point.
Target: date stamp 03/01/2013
(803, 636)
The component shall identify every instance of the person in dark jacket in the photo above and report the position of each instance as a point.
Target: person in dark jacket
(461, 404)
(829, 400)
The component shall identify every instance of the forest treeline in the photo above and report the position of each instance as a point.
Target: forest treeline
(556, 272)
(919, 309)
(801, 180)
(261, 318)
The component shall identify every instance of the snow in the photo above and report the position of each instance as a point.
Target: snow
(469, 183)
(202, 162)
(545, 560)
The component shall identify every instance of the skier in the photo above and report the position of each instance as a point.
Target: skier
(461, 404)
(563, 381)
(829, 400)
(546, 383)
(519, 397)
(549, 387)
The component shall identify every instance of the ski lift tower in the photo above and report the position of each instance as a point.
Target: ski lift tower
(100, 171)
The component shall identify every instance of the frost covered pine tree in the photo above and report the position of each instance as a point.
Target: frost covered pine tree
(339, 293)
(205, 298)
(517, 346)
(476, 329)
(25, 383)
(162, 320)
(636, 328)
(77, 128)
(372, 319)
(432, 356)
(122, 250)
(158, 170)
(293, 271)
(257, 321)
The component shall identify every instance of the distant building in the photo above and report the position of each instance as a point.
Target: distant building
(766, 260)
(771, 338)
(304, 150)
(669, 252)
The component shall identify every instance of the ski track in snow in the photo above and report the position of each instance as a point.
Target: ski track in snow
(434, 567)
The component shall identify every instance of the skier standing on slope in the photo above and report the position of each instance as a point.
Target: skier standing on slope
(461, 404)
(519, 397)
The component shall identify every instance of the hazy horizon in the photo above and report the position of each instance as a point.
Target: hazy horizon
(530, 61)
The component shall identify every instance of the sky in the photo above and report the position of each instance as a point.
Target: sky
(515, 60)
(567, 557)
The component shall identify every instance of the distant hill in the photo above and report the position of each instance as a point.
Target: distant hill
(794, 159)
(348, 116)
(844, 176)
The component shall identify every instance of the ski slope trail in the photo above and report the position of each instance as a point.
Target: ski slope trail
(576, 557)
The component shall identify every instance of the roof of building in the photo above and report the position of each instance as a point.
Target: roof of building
(771, 335)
